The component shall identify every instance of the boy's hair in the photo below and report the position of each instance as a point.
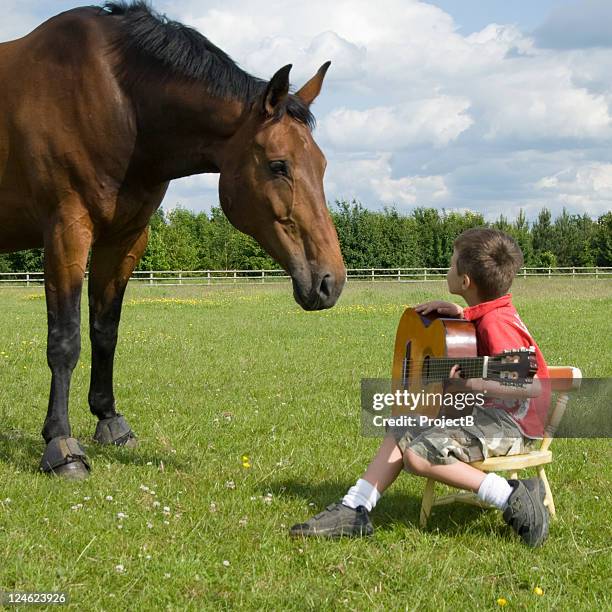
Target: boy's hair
(490, 257)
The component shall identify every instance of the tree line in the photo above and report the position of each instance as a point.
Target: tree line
(185, 240)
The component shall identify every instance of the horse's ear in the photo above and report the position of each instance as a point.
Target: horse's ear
(312, 89)
(277, 90)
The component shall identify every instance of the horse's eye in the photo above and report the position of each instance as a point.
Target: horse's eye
(279, 166)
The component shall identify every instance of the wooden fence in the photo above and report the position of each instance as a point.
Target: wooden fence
(225, 277)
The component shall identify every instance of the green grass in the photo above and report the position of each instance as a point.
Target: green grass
(207, 375)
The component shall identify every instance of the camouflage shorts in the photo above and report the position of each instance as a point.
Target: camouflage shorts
(493, 434)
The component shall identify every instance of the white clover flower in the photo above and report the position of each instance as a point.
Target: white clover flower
(226, 563)
(119, 568)
(109, 498)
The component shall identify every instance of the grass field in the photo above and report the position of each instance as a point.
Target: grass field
(208, 375)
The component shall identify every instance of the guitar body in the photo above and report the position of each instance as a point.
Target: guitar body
(420, 338)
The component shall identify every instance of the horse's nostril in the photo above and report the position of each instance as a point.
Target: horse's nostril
(325, 289)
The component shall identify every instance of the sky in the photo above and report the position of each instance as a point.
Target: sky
(482, 105)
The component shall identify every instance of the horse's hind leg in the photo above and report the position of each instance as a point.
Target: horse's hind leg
(110, 269)
(67, 243)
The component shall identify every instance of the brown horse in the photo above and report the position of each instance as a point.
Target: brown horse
(99, 109)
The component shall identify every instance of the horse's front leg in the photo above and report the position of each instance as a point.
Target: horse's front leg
(67, 241)
(110, 269)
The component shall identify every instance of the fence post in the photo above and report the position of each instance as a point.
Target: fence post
(596, 272)
(208, 276)
(424, 274)
(263, 276)
(150, 278)
(573, 271)
(372, 274)
(235, 276)
(524, 272)
(27, 279)
(181, 277)
(399, 274)
(549, 271)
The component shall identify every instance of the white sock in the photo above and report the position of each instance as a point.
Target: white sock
(495, 490)
(362, 494)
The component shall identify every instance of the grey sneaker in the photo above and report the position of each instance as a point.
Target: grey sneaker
(526, 512)
(335, 521)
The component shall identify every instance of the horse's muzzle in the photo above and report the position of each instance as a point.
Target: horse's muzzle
(320, 294)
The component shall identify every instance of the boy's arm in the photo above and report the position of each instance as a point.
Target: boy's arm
(447, 309)
(491, 387)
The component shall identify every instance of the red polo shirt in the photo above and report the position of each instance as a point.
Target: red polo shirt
(499, 328)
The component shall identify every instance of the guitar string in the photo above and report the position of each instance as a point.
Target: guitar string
(438, 368)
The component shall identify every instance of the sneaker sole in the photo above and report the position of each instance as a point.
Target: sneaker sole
(332, 534)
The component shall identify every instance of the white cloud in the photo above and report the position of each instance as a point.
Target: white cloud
(373, 176)
(586, 188)
(434, 121)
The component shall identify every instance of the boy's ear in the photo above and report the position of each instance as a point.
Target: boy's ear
(466, 282)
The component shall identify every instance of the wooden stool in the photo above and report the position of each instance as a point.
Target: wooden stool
(562, 379)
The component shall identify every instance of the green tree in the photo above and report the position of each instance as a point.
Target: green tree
(573, 236)
(601, 242)
(543, 234)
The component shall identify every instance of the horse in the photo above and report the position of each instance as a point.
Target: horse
(100, 108)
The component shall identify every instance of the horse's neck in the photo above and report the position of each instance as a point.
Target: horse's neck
(182, 129)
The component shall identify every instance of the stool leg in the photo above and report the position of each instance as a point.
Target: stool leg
(548, 500)
(426, 504)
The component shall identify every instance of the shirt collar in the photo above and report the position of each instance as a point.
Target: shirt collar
(472, 313)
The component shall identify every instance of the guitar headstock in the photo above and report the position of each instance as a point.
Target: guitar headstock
(514, 367)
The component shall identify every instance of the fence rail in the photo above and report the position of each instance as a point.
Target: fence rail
(225, 277)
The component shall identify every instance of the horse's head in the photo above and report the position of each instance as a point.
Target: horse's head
(271, 187)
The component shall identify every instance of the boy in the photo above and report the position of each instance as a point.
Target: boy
(482, 268)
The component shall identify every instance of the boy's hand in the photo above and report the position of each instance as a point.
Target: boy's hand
(458, 383)
(447, 309)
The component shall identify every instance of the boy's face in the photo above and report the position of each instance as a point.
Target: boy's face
(457, 283)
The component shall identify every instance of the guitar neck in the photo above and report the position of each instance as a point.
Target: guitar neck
(438, 368)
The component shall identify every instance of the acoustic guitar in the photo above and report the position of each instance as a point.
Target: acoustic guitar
(428, 346)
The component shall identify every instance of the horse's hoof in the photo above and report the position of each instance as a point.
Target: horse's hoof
(115, 430)
(65, 457)
(131, 442)
(72, 471)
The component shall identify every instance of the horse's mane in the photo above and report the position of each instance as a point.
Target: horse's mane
(175, 49)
